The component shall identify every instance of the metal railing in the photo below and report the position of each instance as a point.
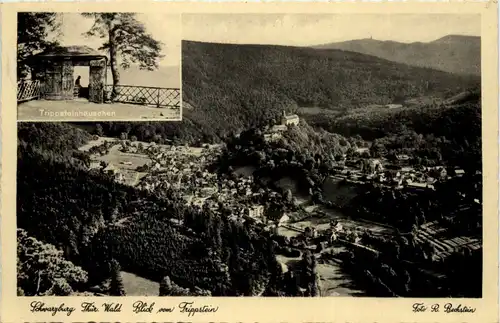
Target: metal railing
(144, 95)
(28, 90)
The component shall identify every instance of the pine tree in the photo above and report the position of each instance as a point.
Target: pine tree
(33, 29)
(125, 39)
(98, 130)
(170, 288)
(165, 286)
(116, 286)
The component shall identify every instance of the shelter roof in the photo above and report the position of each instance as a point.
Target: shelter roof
(71, 51)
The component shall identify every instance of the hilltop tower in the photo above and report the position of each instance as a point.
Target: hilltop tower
(289, 120)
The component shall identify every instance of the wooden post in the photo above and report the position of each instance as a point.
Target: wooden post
(158, 99)
(38, 89)
(96, 80)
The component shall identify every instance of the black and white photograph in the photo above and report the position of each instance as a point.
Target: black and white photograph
(319, 155)
(98, 66)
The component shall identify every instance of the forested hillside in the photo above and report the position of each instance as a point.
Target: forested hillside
(78, 212)
(448, 131)
(452, 53)
(253, 83)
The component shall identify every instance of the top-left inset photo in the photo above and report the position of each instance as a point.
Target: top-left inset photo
(98, 66)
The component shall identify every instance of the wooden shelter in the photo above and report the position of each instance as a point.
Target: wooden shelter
(56, 71)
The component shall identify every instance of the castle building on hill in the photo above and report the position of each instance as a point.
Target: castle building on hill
(276, 130)
(292, 119)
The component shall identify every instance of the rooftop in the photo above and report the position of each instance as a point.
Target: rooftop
(71, 51)
(110, 166)
(279, 128)
(420, 185)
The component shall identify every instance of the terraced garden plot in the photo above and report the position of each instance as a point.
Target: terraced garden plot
(434, 234)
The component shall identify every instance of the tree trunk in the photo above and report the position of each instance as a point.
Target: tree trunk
(38, 282)
(114, 65)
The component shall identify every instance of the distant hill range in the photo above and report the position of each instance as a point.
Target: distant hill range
(453, 53)
(164, 76)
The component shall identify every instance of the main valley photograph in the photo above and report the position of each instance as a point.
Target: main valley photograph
(98, 66)
(318, 155)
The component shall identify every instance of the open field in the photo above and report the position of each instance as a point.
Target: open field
(286, 232)
(315, 110)
(138, 286)
(334, 282)
(125, 163)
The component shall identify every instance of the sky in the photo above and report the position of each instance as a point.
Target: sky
(315, 29)
(163, 27)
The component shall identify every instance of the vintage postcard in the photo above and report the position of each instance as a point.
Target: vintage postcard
(334, 162)
(80, 66)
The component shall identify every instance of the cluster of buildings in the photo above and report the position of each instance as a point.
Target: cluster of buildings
(319, 240)
(188, 175)
(179, 168)
(175, 169)
(102, 149)
(396, 174)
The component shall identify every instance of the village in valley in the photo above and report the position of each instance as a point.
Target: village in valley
(303, 225)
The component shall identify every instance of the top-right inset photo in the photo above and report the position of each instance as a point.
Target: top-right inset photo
(362, 136)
